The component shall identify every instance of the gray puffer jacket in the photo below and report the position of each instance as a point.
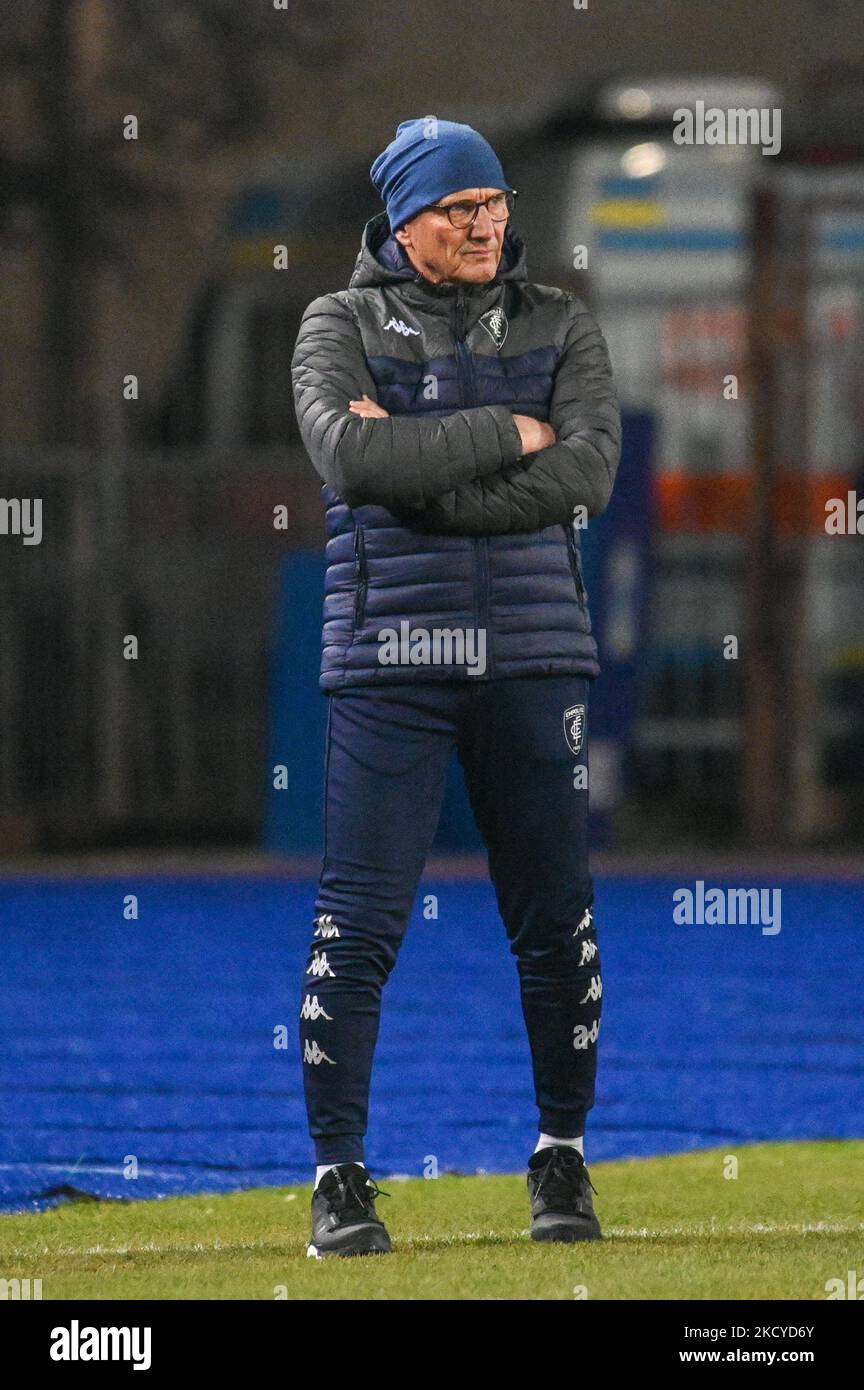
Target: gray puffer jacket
(434, 515)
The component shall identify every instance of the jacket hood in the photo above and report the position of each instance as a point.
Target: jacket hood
(382, 260)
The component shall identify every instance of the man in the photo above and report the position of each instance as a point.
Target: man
(464, 423)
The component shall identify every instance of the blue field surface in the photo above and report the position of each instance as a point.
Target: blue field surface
(153, 1039)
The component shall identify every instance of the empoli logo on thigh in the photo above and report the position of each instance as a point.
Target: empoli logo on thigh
(574, 727)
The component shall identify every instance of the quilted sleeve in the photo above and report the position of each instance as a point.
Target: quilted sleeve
(544, 488)
(395, 462)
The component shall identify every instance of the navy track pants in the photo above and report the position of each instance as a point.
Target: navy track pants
(388, 750)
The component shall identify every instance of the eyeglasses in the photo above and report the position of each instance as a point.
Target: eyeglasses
(464, 212)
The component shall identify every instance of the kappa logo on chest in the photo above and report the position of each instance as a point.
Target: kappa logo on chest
(400, 326)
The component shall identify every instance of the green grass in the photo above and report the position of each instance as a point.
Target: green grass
(675, 1228)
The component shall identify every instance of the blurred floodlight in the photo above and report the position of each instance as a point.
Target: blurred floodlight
(633, 103)
(656, 99)
(641, 161)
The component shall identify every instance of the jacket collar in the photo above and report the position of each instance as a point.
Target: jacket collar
(382, 260)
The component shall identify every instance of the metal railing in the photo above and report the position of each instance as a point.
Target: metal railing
(175, 551)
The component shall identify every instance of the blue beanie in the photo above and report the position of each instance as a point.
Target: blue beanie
(428, 159)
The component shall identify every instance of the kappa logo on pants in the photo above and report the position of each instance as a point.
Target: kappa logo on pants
(321, 966)
(312, 1009)
(574, 727)
(595, 990)
(325, 926)
(587, 920)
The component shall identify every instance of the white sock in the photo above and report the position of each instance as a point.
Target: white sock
(548, 1141)
(325, 1168)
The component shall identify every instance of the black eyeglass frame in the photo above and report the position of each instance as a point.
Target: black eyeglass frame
(510, 195)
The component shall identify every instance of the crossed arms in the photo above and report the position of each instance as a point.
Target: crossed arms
(463, 473)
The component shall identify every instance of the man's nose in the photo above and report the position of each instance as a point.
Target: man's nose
(483, 226)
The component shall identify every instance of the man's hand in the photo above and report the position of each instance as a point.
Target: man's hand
(369, 409)
(535, 434)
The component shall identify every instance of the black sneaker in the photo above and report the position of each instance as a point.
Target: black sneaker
(344, 1220)
(560, 1191)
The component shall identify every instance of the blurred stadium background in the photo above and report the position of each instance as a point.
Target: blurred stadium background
(146, 400)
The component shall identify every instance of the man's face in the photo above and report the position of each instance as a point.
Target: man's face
(442, 252)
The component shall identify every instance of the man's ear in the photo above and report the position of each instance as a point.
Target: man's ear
(403, 236)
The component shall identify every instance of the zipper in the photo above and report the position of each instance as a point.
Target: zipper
(575, 565)
(468, 396)
(483, 557)
(362, 577)
(464, 360)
